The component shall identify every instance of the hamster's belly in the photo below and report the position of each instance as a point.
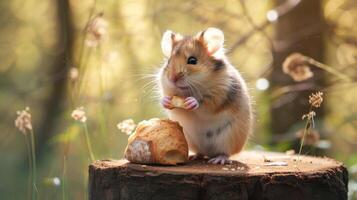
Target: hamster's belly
(209, 136)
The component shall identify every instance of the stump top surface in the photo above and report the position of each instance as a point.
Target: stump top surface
(246, 163)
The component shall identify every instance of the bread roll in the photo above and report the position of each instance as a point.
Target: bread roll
(178, 102)
(157, 141)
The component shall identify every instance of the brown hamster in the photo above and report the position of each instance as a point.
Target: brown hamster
(217, 114)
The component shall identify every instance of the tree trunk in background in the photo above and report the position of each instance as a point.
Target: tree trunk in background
(300, 30)
(61, 63)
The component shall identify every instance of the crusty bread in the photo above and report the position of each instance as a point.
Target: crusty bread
(178, 102)
(157, 141)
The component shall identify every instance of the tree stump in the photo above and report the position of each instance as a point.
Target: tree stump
(252, 175)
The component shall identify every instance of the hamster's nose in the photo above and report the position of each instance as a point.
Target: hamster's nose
(175, 77)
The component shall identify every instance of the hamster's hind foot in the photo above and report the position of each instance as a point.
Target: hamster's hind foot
(220, 159)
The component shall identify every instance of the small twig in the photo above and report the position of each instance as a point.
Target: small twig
(34, 175)
(306, 129)
(280, 10)
(28, 144)
(251, 21)
(327, 68)
(247, 36)
(291, 88)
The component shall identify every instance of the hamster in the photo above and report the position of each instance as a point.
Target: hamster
(217, 113)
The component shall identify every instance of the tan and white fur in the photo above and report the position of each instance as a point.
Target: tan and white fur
(217, 118)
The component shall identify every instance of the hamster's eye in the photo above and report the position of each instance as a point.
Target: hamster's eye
(192, 60)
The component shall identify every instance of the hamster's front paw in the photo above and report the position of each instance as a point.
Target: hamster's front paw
(166, 102)
(191, 103)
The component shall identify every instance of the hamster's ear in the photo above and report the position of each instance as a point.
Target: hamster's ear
(168, 40)
(213, 38)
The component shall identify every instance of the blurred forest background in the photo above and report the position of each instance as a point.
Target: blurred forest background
(56, 56)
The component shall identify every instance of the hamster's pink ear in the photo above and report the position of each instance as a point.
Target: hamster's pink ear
(213, 38)
(168, 40)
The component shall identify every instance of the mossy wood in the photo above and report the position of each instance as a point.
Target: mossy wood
(253, 175)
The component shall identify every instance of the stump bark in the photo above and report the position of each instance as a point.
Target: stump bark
(252, 175)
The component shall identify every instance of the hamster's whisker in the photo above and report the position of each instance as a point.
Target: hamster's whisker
(195, 83)
(152, 80)
(145, 77)
(153, 94)
(149, 84)
(148, 78)
(190, 88)
(195, 87)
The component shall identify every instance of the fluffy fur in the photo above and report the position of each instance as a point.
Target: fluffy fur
(223, 121)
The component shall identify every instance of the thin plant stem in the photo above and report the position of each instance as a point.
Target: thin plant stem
(91, 12)
(303, 138)
(328, 69)
(100, 71)
(64, 170)
(88, 142)
(83, 72)
(306, 129)
(64, 178)
(102, 119)
(34, 176)
(82, 48)
(28, 144)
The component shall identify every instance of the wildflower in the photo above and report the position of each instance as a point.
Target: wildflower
(23, 120)
(311, 137)
(296, 65)
(79, 114)
(24, 124)
(73, 74)
(96, 29)
(127, 126)
(316, 99)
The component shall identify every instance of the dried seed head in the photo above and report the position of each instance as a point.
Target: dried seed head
(312, 136)
(296, 66)
(73, 74)
(79, 115)
(23, 120)
(96, 29)
(127, 126)
(316, 99)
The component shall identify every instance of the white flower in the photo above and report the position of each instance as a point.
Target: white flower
(79, 114)
(23, 120)
(96, 29)
(127, 126)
